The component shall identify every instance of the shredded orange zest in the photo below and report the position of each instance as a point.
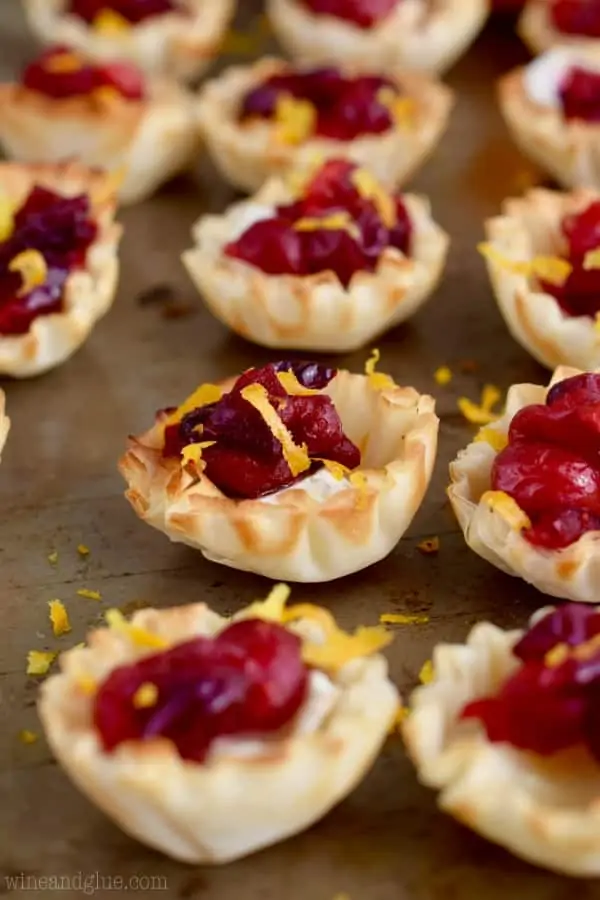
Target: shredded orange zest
(138, 636)
(202, 396)
(193, 452)
(429, 546)
(510, 511)
(580, 652)
(7, 218)
(272, 608)
(63, 63)
(298, 180)
(341, 648)
(591, 259)
(145, 696)
(402, 108)
(59, 618)
(28, 737)
(403, 619)
(86, 683)
(39, 661)
(443, 375)
(360, 481)
(296, 457)
(370, 189)
(83, 550)
(557, 656)
(340, 221)
(110, 23)
(496, 439)
(481, 414)
(426, 675)
(552, 269)
(400, 717)
(338, 470)
(106, 94)
(309, 611)
(53, 558)
(292, 386)
(89, 595)
(377, 380)
(295, 119)
(31, 266)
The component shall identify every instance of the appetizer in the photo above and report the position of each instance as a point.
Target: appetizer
(543, 260)
(415, 34)
(552, 108)
(507, 732)
(176, 38)
(4, 421)
(58, 262)
(547, 23)
(323, 260)
(526, 492)
(259, 120)
(183, 726)
(295, 471)
(106, 115)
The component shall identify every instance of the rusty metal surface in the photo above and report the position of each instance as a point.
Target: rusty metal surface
(59, 487)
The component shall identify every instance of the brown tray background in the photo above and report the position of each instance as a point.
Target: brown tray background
(59, 487)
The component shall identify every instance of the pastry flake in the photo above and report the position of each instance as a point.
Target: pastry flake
(248, 147)
(107, 115)
(312, 527)
(179, 41)
(536, 450)
(205, 795)
(409, 35)
(527, 783)
(43, 329)
(263, 294)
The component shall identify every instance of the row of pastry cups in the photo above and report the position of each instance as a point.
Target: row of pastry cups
(545, 812)
(151, 140)
(414, 35)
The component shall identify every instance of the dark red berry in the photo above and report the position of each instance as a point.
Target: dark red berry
(578, 17)
(579, 94)
(363, 13)
(134, 11)
(40, 76)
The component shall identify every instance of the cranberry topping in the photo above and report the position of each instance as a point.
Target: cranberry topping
(134, 11)
(551, 702)
(579, 17)
(61, 229)
(277, 247)
(57, 74)
(551, 466)
(250, 679)
(579, 295)
(345, 107)
(247, 461)
(579, 94)
(363, 13)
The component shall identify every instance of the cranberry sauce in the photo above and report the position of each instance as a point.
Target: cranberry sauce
(248, 680)
(579, 94)
(246, 460)
(283, 245)
(577, 17)
(551, 702)
(345, 107)
(133, 11)
(61, 73)
(580, 293)
(362, 13)
(551, 466)
(61, 230)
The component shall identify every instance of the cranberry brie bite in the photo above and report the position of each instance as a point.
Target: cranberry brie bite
(175, 38)
(260, 120)
(185, 727)
(106, 115)
(526, 492)
(294, 471)
(58, 262)
(507, 730)
(548, 23)
(543, 256)
(414, 34)
(552, 108)
(320, 261)
(4, 421)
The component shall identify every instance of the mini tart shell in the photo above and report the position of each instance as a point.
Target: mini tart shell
(150, 140)
(572, 573)
(544, 810)
(528, 227)
(290, 535)
(410, 36)
(536, 30)
(173, 45)
(248, 153)
(89, 292)
(223, 809)
(314, 312)
(569, 150)
(4, 421)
